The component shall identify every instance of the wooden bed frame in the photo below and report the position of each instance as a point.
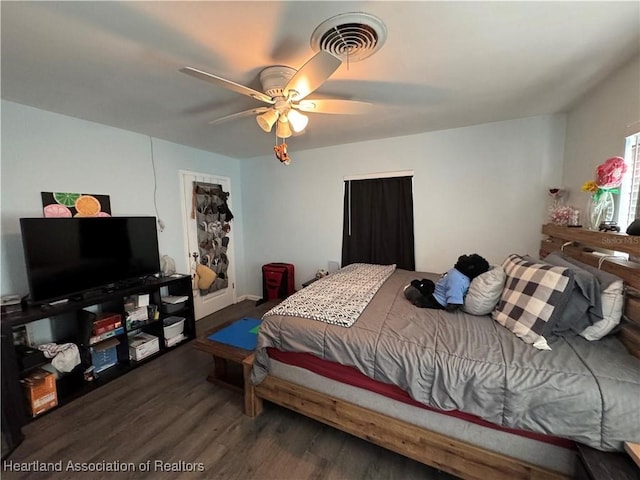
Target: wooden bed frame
(435, 449)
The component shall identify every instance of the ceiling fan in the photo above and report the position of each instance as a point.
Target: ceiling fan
(285, 91)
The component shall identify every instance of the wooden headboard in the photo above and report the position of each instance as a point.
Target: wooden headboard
(596, 248)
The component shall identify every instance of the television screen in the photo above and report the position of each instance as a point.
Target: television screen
(68, 256)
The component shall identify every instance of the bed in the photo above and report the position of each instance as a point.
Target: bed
(447, 417)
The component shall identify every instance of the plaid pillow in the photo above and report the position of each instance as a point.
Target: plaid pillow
(533, 298)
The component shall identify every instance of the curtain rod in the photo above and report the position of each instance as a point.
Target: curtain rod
(365, 176)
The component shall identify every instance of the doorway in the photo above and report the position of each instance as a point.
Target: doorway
(207, 221)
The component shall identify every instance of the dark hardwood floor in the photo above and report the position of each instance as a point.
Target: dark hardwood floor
(166, 416)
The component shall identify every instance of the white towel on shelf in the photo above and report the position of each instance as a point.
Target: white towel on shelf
(65, 357)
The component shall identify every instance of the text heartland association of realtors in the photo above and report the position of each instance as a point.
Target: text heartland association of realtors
(104, 466)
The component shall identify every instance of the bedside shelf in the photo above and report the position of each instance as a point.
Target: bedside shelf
(596, 465)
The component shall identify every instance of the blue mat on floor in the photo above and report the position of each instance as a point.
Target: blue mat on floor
(242, 333)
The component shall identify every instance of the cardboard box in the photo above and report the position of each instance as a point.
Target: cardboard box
(143, 345)
(105, 322)
(104, 354)
(137, 317)
(40, 390)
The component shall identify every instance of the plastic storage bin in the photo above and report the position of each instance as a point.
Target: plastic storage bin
(173, 326)
(172, 307)
(173, 303)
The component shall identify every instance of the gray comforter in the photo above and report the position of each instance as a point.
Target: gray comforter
(585, 391)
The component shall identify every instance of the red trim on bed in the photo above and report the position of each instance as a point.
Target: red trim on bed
(352, 376)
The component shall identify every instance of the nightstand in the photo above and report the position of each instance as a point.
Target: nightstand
(596, 465)
(309, 282)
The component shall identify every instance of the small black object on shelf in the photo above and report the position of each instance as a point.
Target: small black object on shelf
(609, 227)
(634, 228)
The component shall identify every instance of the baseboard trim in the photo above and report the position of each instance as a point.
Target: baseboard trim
(255, 298)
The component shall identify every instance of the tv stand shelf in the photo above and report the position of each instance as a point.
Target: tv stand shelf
(70, 317)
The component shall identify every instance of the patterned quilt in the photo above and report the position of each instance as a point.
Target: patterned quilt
(338, 299)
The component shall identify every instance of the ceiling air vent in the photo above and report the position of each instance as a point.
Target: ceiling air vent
(350, 36)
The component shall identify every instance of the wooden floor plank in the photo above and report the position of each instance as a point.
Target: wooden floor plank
(166, 411)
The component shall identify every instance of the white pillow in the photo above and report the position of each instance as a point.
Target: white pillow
(484, 292)
(612, 299)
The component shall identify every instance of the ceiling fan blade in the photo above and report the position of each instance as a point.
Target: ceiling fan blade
(228, 84)
(312, 74)
(334, 106)
(233, 116)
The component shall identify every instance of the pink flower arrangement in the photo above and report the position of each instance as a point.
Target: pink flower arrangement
(610, 173)
(561, 215)
(608, 178)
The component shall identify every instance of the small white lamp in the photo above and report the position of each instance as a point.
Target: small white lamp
(282, 129)
(267, 119)
(297, 120)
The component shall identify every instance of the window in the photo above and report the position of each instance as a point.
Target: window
(378, 221)
(628, 210)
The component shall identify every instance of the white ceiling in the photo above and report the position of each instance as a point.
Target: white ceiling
(444, 64)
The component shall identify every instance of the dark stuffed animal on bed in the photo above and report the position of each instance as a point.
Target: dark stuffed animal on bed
(450, 290)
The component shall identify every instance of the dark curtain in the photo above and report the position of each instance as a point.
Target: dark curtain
(378, 222)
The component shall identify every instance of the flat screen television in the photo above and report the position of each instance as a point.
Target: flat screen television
(66, 257)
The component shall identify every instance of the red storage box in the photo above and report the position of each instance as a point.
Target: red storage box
(105, 322)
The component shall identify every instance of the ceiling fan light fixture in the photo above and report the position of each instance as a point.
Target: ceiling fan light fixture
(267, 119)
(282, 129)
(297, 120)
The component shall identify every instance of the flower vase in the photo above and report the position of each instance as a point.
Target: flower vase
(600, 210)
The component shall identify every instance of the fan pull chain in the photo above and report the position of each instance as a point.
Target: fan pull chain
(281, 152)
(344, 42)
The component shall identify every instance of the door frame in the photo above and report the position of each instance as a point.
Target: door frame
(186, 218)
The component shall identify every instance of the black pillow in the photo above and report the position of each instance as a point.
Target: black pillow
(634, 228)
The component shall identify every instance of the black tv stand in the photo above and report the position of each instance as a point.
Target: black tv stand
(132, 282)
(89, 294)
(50, 304)
(74, 322)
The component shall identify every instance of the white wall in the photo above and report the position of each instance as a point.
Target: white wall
(597, 127)
(476, 189)
(43, 151)
(480, 188)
